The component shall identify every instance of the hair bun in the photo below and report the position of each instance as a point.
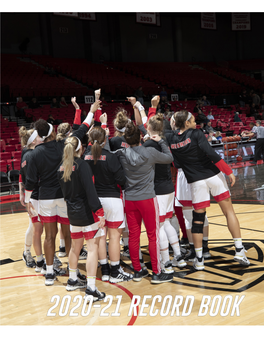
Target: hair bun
(22, 131)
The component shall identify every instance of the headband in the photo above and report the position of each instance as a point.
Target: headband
(32, 137)
(68, 133)
(50, 131)
(98, 143)
(189, 116)
(79, 144)
(172, 118)
(124, 128)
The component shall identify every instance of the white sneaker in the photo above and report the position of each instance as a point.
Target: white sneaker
(179, 262)
(241, 258)
(198, 265)
(166, 268)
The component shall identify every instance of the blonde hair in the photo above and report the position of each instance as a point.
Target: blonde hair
(156, 123)
(62, 130)
(217, 134)
(120, 121)
(24, 135)
(69, 153)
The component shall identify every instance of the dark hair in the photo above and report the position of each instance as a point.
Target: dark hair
(132, 134)
(156, 123)
(97, 137)
(42, 128)
(181, 118)
(252, 124)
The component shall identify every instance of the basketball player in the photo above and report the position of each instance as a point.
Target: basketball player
(108, 174)
(43, 168)
(75, 178)
(202, 168)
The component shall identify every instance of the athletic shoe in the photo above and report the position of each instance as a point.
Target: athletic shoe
(241, 258)
(105, 269)
(96, 294)
(161, 278)
(58, 271)
(179, 262)
(83, 254)
(50, 278)
(183, 250)
(184, 242)
(39, 265)
(206, 253)
(56, 261)
(138, 275)
(198, 264)
(73, 285)
(190, 256)
(62, 251)
(28, 259)
(81, 278)
(125, 252)
(120, 276)
(166, 268)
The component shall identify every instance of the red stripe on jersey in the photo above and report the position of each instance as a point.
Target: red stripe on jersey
(20, 178)
(35, 220)
(95, 217)
(162, 218)
(113, 224)
(223, 167)
(222, 196)
(77, 118)
(62, 220)
(121, 192)
(77, 235)
(100, 212)
(87, 125)
(185, 202)
(202, 204)
(151, 113)
(45, 219)
(169, 215)
(90, 234)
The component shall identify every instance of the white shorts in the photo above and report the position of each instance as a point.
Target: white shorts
(54, 210)
(35, 204)
(201, 191)
(87, 232)
(165, 203)
(114, 212)
(183, 193)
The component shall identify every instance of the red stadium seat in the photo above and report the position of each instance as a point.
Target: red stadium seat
(10, 148)
(5, 156)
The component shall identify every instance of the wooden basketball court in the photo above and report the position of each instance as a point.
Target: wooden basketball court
(224, 294)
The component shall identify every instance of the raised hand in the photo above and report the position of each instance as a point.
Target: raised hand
(103, 118)
(132, 100)
(73, 100)
(155, 101)
(95, 106)
(97, 94)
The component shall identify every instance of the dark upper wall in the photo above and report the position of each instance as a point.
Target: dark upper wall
(117, 37)
(15, 27)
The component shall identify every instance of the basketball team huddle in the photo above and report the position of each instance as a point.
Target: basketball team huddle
(100, 188)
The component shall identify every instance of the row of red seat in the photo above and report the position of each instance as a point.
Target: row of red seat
(7, 165)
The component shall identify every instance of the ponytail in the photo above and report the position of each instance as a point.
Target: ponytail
(97, 138)
(69, 153)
